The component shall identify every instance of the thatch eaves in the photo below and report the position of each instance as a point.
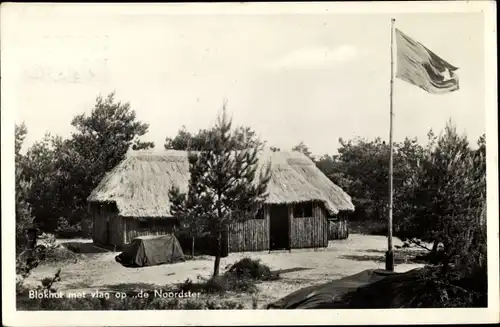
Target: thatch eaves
(140, 184)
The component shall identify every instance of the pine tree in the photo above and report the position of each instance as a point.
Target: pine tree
(224, 187)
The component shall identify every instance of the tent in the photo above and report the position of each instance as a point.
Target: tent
(372, 288)
(150, 251)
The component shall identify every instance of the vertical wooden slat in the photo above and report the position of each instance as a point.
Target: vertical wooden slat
(252, 238)
(314, 232)
(258, 233)
(234, 243)
(248, 237)
(258, 230)
(229, 239)
(268, 226)
(317, 238)
(241, 236)
(338, 229)
(291, 235)
(317, 228)
(245, 238)
(268, 229)
(241, 239)
(325, 228)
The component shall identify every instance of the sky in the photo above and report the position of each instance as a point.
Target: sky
(290, 77)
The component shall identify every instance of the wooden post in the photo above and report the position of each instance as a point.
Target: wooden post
(290, 218)
(389, 260)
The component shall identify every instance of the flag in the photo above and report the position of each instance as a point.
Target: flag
(421, 67)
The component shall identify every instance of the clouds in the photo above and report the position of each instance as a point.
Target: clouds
(316, 57)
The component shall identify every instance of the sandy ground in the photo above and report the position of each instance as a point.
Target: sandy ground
(300, 268)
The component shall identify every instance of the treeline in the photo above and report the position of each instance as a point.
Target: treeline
(439, 191)
(55, 176)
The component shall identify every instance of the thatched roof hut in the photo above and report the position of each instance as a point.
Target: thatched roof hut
(139, 186)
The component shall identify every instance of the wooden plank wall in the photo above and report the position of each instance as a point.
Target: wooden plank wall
(116, 226)
(310, 232)
(251, 235)
(338, 229)
(98, 226)
(101, 214)
(155, 226)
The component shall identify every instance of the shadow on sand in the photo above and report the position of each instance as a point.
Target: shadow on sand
(130, 287)
(289, 270)
(375, 251)
(83, 247)
(381, 258)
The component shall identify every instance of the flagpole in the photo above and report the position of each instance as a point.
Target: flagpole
(389, 259)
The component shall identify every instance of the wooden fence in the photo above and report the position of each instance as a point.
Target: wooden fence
(338, 229)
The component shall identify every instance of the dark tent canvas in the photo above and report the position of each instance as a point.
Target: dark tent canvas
(151, 251)
(355, 291)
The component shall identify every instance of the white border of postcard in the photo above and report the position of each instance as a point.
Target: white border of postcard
(11, 317)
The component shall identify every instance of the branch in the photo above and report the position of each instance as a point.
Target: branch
(419, 245)
(47, 283)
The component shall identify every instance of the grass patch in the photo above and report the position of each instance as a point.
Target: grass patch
(128, 303)
(219, 284)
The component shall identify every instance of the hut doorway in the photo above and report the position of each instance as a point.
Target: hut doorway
(279, 229)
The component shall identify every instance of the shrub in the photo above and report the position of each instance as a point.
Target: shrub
(67, 230)
(239, 277)
(251, 268)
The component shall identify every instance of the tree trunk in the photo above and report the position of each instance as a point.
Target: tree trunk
(217, 254)
(434, 248)
(444, 268)
(433, 256)
(192, 246)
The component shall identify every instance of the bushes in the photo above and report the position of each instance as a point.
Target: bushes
(66, 230)
(45, 252)
(242, 276)
(251, 268)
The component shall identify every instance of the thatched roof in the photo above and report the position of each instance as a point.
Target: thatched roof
(140, 184)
